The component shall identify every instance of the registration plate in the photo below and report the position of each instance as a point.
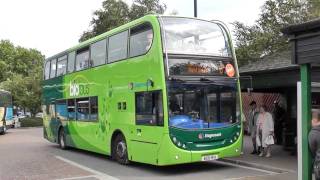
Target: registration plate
(209, 157)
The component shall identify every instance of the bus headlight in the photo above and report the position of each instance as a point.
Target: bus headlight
(174, 139)
(179, 143)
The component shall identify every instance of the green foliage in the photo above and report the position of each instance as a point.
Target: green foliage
(31, 122)
(21, 74)
(265, 37)
(116, 12)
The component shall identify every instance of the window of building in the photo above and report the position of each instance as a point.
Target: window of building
(53, 68)
(62, 65)
(71, 109)
(118, 47)
(140, 39)
(82, 59)
(149, 108)
(83, 110)
(98, 53)
(94, 108)
(71, 59)
(47, 70)
(61, 110)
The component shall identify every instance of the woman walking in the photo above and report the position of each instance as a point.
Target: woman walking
(265, 129)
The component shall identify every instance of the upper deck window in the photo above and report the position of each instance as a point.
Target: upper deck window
(53, 68)
(47, 70)
(82, 59)
(140, 39)
(192, 36)
(118, 47)
(98, 53)
(71, 58)
(62, 65)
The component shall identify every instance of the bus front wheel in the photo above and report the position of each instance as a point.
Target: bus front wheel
(119, 150)
(62, 139)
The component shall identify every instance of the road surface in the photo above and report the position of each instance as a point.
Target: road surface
(25, 154)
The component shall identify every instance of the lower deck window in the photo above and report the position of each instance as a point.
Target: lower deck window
(61, 109)
(83, 109)
(149, 109)
(71, 109)
(94, 108)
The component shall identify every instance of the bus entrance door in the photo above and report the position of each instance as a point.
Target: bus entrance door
(146, 143)
(147, 132)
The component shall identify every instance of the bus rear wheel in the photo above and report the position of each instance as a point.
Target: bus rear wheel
(62, 139)
(119, 150)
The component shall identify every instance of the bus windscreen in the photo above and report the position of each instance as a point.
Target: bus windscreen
(193, 36)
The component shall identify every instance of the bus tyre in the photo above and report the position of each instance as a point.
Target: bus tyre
(119, 150)
(62, 139)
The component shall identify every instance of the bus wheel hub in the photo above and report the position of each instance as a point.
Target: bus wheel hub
(121, 149)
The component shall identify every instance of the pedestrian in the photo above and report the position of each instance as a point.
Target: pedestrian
(314, 142)
(265, 130)
(253, 116)
(279, 118)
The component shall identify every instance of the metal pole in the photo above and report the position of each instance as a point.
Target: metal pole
(305, 125)
(195, 8)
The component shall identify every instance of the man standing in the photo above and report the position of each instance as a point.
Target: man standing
(253, 116)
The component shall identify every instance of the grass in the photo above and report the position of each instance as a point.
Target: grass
(31, 122)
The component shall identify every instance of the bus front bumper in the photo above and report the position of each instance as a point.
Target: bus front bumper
(170, 154)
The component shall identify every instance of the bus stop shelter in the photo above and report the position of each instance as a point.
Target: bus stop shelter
(305, 42)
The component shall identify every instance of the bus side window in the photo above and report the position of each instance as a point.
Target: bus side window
(53, 68)
(98, 53)
(71, 106)
(83, 109)
(149, 108)
(118, 47)
(62, 65)
(61, 109)
(140, 39)
(94, 108)
(47, 70)
(82, 59)
(71, 59)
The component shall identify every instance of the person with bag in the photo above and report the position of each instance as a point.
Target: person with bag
(314, 142)
(265, 129)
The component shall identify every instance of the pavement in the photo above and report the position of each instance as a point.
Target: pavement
(25, 154)
(281, 161)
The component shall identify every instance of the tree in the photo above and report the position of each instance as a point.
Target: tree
(116, 12)
(22, 75)
(265, 37)
(140, 8)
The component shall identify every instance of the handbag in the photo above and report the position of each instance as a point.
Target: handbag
(269, 140)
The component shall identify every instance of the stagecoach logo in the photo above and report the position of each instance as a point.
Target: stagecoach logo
(209, 136)
(74, 89)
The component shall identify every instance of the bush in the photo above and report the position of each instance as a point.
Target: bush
(31, 122)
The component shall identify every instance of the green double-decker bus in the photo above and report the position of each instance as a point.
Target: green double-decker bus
(160, 90)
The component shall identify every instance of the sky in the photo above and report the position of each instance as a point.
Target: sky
(52, 26)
